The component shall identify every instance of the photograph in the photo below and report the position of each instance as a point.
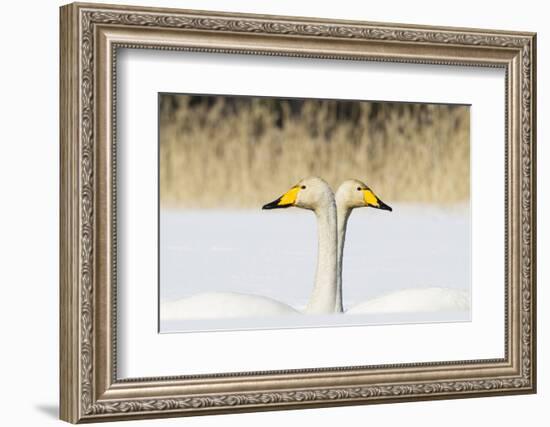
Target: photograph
(238, 248)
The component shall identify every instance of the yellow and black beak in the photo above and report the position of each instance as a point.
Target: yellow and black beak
(372, 201)
(286, 200)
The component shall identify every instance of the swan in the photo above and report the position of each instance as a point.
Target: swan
(313, 194)
(354, 194)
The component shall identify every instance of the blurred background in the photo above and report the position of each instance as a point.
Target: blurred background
(235, 152)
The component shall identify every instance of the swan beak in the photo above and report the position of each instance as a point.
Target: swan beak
(286, 200)
(371, 200)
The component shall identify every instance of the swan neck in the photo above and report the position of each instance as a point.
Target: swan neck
(343, 213)
(325, 289)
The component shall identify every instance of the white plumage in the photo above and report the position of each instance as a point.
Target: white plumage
(423, 300)
(224, 304)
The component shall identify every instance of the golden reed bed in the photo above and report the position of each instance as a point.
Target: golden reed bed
(237, 152)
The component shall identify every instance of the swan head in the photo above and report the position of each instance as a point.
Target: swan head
(309, 193)
(355, 194)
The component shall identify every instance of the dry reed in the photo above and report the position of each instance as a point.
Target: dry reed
(242, 152)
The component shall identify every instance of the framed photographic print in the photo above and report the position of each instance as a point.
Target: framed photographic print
(265, 212)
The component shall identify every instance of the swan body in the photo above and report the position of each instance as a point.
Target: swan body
(313, 194)
(423, 300)
(229, 304)
(354, 194)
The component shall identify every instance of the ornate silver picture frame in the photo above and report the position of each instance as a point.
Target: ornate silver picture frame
(91, 37)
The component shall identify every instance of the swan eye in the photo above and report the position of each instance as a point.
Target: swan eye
(358, 188)
(303, 187)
